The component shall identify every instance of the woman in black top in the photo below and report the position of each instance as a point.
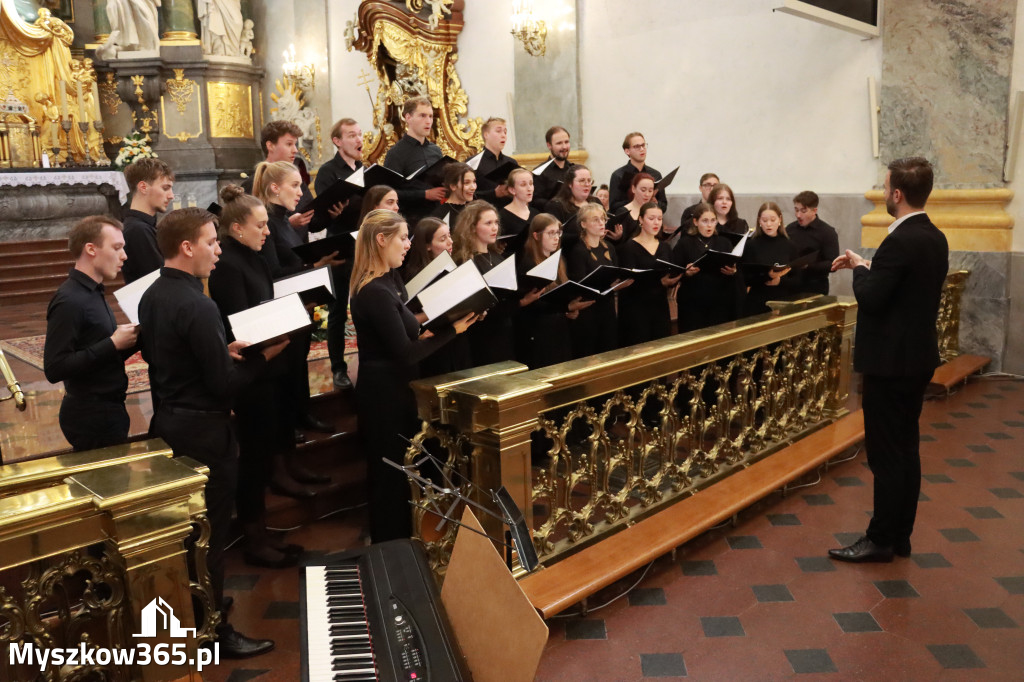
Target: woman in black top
(263, 413)
(770, 246)
(707, 295)
(596, 328)
(390, 346)
(542, 328)
(476, 237)
(643, 306)
(378, 197)
(517, 215)
(641, 190)
(724, 202)
(574, 193)
(460, 181)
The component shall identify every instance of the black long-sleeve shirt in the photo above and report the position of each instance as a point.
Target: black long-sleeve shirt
(618, 186)
(331, 171)
(78, 349)
(405, 158)
(817, 236)
(240, 281)
(485, 187)
(184, 342)
(277, 250)
(140, 246)
(547, 183)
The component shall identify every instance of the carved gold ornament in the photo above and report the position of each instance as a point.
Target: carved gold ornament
(108, 94)
(230, 109)
(181, 90)
(422, 59)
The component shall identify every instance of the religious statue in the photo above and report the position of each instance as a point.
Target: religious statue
(247, 37)
(49, 127)
(222, 26)
(134, 26)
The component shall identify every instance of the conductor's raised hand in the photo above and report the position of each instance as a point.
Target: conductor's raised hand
(465, 323)
(850, 260)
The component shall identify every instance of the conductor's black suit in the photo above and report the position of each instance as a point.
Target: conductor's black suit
(896, 348)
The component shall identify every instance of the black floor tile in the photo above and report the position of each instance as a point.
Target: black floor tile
(1019, 475)
(847, 539)
(942, 426)
(662, 665)
(246, 674)
(990, 618)
(930, 560)
(240, 582)
(1015, 424)
(818, 500)
(960, 415)
(999, 435)
(772, 593)
(647, 596)
(585, 629)
(699, 567)
(955, 656)
(959, 534)
(783, 519)
(921, 497)
(959, 462)
(925, 438)
(848, 481)
(1012, 584)
(282, 610)
(937, 478)
(980, 449)
(984, 512)
(857, 621)
(744, 542)
(993, 396)
(810, 661)
(977, 406)
(815, 564)
(896, 589)
(1006, 493)
(722, 626)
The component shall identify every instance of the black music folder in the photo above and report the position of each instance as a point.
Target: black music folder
(340, 191)
(500, 173)
(567, 292)
(435, 270)
(761, 270)
(215, 208)
(314, 286)
(541, 275)
(665, 181)
(459, 293)
(268, 323)
(433, 175)
(344, 244)
(604, 277)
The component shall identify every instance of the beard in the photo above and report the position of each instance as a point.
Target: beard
(890, 207)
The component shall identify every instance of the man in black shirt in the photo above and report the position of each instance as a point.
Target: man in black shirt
(85, 348)
(348, 139)
(413, 152)
(810, 233)
(495, 192)
(547, 182)
(194, 378)
(635, 147)
(152, 186)
(707, 183)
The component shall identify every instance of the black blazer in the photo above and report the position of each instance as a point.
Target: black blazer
(898, 301)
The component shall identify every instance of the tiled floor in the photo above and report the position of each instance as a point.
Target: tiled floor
(760, 601)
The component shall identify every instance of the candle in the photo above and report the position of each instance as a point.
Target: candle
(54, 141)
(78, 91)
(96, 101)
(63, 99)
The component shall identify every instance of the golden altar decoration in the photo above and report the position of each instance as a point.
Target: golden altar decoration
(410, 56)
(35, 60)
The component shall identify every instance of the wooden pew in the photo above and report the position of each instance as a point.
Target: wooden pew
(575, 578)
(956, 370)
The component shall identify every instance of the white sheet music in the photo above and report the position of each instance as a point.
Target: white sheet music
(356, 177)
(270, 319)
(541, 168)
(738, 249)
(442, 263)
(547, 268)
(503, 275)
(129, 295)
(474, 161)
(304, 281)
(454, 288)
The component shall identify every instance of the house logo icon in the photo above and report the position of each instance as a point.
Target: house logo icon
(158, 616)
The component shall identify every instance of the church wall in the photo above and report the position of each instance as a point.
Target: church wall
(1015, 350)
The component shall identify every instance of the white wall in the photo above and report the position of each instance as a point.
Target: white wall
(347, 98)
(771, 102)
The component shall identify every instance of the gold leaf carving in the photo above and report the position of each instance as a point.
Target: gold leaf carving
(180, 89)
(108, 94)
(230, 109)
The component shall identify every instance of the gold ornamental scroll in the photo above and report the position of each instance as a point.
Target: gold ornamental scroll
(230, 109)
(34, 60)
(410, 57)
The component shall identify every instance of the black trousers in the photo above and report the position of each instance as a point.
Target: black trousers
(892, 408)
(265, 427)
(90, 423)
(207, 438)
(298, 371)
(337, 316)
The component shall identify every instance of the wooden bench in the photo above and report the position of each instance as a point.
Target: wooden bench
(957, 370)
(552, 590)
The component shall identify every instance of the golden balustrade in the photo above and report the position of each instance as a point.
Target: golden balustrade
(87, 541)
(589, 447)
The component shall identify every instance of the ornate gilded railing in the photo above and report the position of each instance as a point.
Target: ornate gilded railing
(948, 323)
(87, 541)
(591, 446)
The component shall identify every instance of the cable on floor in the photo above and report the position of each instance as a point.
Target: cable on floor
(319, 518)
(610, 601)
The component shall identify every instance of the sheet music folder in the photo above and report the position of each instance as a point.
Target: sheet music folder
(129, 295)
(270, 322)
(313, 286)
(344, 244)
(459, 293)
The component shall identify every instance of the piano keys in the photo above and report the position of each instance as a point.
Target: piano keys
(376, 614)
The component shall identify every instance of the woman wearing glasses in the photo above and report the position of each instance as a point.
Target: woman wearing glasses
(626, 221)
(575, 192)
(596, 328)
(643, 306)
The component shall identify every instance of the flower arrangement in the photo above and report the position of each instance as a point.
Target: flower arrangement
(320, 323)
(135, 147)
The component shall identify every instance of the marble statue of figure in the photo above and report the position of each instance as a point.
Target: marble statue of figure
(247, 36)
(222, 26)
(134, 25)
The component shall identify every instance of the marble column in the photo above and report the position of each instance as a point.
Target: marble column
(945, 95)
(179, 20)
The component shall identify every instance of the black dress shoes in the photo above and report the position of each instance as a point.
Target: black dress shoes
(341, 381)
(863, 551)
(233, 644)
(304, 475)
(311, 423)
